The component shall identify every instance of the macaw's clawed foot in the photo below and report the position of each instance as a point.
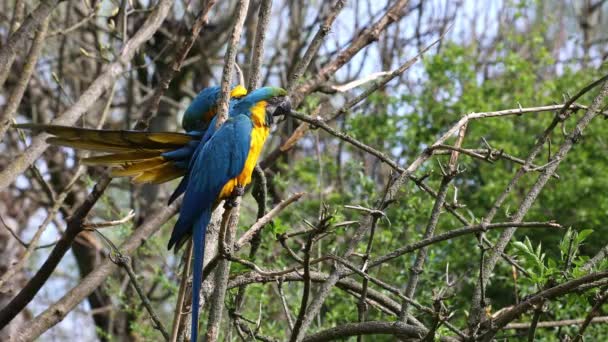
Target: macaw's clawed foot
(238, 191)
(230, 203)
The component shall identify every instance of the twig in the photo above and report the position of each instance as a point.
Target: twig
(251, 333)
(34, 20)
(226, 240)
(362, 304)
(15, 236)
(102, 83)
(285, 306)
(490, 155)
(386, 79)
(201, 20)
(74, 27)
(370, 34)
(258, 46)
(597, 258)
(562, 289)
(417, 268)
(299, 133)
(459, 232)
(229, 60)
(125, 262)
(321, 124)
(58, 201)
(260, 223)
(553, 324)
(31, 246)
(317, 122)
(394, 291)
(533, 193)
(57, 311)
(315, 44)
(307, 284)
(74, 227)
(12, 104)
(366, 328)
(96, 225)
(365, 225)
(535, 318)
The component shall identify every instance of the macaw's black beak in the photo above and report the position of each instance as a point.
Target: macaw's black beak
(282, 106)
(277, 107)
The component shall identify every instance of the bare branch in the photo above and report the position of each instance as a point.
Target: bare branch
(229, 60)
(315, 44)
(125, 262)
(259, 225)
(530, 197)
(102, 83)
(366, 328)
(56, 312)
(14, 99)
(560, 290)
(33, 21)
(554, 324)
(258, 46)
(201, 20)
(74, 228)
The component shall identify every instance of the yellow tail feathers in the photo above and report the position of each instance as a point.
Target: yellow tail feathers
(112, 138)
(120, 158)
(159, 175)
(133, 154)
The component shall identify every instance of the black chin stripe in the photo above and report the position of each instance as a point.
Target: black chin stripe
(269, 119)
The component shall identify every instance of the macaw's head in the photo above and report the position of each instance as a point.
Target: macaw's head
(271, 101)
(204, 107)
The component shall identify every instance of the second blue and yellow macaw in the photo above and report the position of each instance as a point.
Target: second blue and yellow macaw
(216, 163)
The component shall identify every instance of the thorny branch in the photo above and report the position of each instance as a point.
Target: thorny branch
(348, 256)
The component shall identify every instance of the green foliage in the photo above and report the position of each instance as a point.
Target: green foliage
(401, 122)
(534, 260)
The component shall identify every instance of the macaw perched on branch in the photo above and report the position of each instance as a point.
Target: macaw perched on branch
(216, 163)
(220, 170)
(147, 157)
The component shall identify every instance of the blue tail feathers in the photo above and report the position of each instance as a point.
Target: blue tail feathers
(200, 229)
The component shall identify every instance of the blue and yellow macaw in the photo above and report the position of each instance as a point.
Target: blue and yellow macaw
(220, 170)
(147, 157)
(216, 163)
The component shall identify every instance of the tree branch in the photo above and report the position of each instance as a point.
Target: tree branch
(102, 83)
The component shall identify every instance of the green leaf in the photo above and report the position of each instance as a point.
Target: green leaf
(521, 247)
(583, 234)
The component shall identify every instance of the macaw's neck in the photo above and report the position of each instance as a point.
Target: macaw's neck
(258, 114)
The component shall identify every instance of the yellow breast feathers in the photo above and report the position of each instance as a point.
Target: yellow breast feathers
(258, 138)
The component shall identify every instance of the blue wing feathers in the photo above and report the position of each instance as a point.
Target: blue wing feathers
(216, 162)
(179, 190)
(183, 153)
(201, 104)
